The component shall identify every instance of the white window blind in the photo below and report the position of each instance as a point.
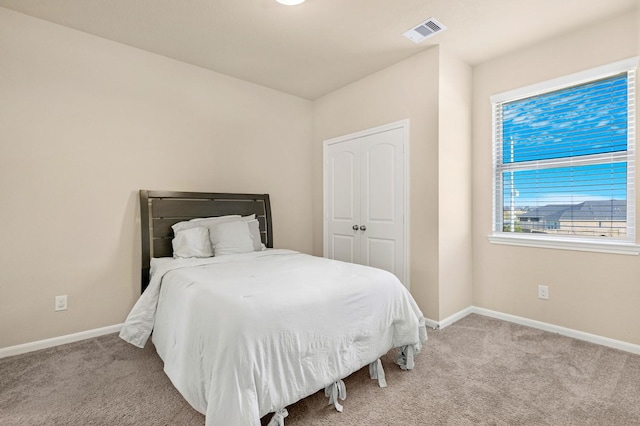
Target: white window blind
(564, 157)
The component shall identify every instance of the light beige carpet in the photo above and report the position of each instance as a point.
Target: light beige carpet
(476, 371)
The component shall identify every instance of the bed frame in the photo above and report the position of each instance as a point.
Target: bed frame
(161, 209)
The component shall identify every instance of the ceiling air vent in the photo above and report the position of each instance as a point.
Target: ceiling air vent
(428, 28)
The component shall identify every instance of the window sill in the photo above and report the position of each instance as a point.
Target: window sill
(614, 247)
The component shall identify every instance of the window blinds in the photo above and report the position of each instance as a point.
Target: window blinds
(564, 160)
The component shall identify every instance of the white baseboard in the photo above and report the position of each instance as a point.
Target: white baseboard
(448, 321)
(580, 335)
(56, 341)
(455, 317)
(431, 323)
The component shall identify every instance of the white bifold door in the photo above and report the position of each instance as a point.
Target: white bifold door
(365, 199)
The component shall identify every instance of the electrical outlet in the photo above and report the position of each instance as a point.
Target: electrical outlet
(543, 292)
(61, 303)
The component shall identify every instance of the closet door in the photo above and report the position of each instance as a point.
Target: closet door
(364, 200)
(382, 201)
(342, 183)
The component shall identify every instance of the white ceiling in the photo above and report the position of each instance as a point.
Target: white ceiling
(317, 47)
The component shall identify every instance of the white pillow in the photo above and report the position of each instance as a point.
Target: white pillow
(205, 222)
(210, 222)
(192, 242)
(231, 238)
(254, 228)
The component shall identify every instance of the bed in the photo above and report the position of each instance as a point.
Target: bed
(251, 330)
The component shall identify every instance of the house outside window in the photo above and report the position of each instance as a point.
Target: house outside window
(564, 162)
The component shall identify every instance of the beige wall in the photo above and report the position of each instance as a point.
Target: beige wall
(590, 292)
(411, 89)
(454, 185)
(86, 123)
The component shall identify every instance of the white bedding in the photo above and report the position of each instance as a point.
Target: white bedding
(248, 334)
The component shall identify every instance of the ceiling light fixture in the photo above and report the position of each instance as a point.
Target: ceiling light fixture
(290, 2)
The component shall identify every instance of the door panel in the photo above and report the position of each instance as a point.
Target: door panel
(381, 253)
(343, 247)
(344, 169)
(382, 201)
(343, 181)
(380, 189)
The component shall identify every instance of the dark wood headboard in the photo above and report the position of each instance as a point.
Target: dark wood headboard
(161, 209)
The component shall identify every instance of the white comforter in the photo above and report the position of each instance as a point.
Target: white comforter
(245, 335)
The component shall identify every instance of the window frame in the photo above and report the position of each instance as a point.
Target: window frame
(623, 245)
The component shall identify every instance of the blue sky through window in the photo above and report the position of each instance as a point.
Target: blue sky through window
(573, 122)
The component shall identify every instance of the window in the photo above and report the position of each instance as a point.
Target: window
(564, 162)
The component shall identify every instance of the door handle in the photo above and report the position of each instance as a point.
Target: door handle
(363, 228)
(354, 227)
